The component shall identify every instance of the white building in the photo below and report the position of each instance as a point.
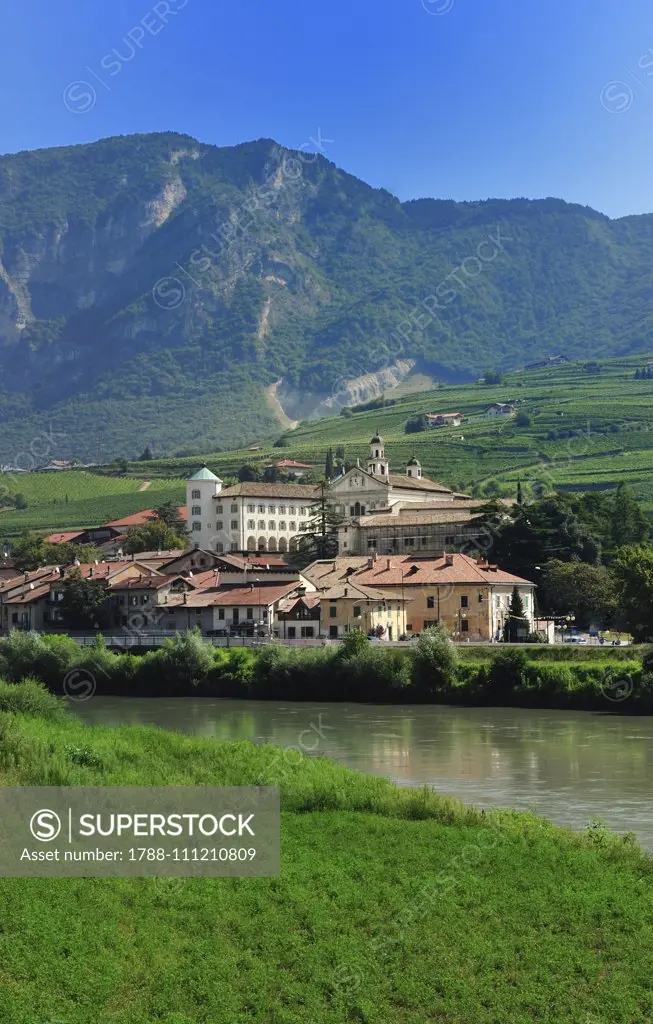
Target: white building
(367, 490)
(248, 516)
(255, 516)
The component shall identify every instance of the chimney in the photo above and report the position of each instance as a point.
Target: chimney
(370, 563)
(346, 591)
(448, 559)
(387, 565)
(185, 597)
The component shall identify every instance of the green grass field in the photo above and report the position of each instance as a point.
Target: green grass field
(393, 905)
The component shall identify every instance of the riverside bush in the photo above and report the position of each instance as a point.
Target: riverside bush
(435, 661)
(432, 670)
(30, 697)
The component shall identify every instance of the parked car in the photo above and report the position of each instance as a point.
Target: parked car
(575, 640)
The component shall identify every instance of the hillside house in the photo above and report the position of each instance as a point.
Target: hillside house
(444, 419)
(502, 409)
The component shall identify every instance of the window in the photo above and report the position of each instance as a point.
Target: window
(234, 508)
(293, 525)
(219, 546)
(261, 524)
(333, 630)
(450, 539)
(333, 611)
(195, 495)
(219, 510)
(197, 510)
(464, 601)
(219, 525)
(307, 631)
(261, 508)
(271, 525)
(221, 613)
(409, 627)
(357, 611)
(250, 613)
(282, 510)
(425, 541)
(430, 602)
(282, 525)
(292, 632)
(233, 546)
(302, 511)
(292, 510)
(480, 598)
(272, 509)
(371, 543)
(234, 524)
(197, 527)
(409, 542)
(251, 524)
(251, 508)
(464, 625)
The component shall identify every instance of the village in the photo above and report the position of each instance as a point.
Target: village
(407, 554)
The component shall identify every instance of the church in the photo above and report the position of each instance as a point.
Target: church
(257, 516)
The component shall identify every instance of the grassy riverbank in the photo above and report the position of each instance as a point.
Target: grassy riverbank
(424, 672)
(392, 906)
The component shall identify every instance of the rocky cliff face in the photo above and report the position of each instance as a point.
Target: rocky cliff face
(298, 405)
(152, 289)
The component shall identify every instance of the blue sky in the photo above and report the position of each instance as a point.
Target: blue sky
(460, 99)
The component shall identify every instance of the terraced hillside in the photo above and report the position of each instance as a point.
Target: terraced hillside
(79, 498)
(587, 430)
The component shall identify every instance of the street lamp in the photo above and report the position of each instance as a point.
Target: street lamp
(568, 622)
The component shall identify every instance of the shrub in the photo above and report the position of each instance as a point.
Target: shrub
(436, 660)
(183, 661)
(508, 670)
(30, 697)
(30, 654)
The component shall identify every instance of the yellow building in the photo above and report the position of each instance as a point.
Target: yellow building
(349, 606)
(469, 596)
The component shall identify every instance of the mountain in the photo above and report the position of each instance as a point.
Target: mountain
(156, 290)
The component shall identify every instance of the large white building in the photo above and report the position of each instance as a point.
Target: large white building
(273, 516)
(248, 516)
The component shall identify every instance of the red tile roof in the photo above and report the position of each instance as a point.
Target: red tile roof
(291, 464)
(407, 571)
(142, 518)
(152, 581)
(236, 596)
(62, 538)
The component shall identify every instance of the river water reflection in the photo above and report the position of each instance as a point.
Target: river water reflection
(567, 766)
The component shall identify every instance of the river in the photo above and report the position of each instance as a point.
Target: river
(567, 766)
